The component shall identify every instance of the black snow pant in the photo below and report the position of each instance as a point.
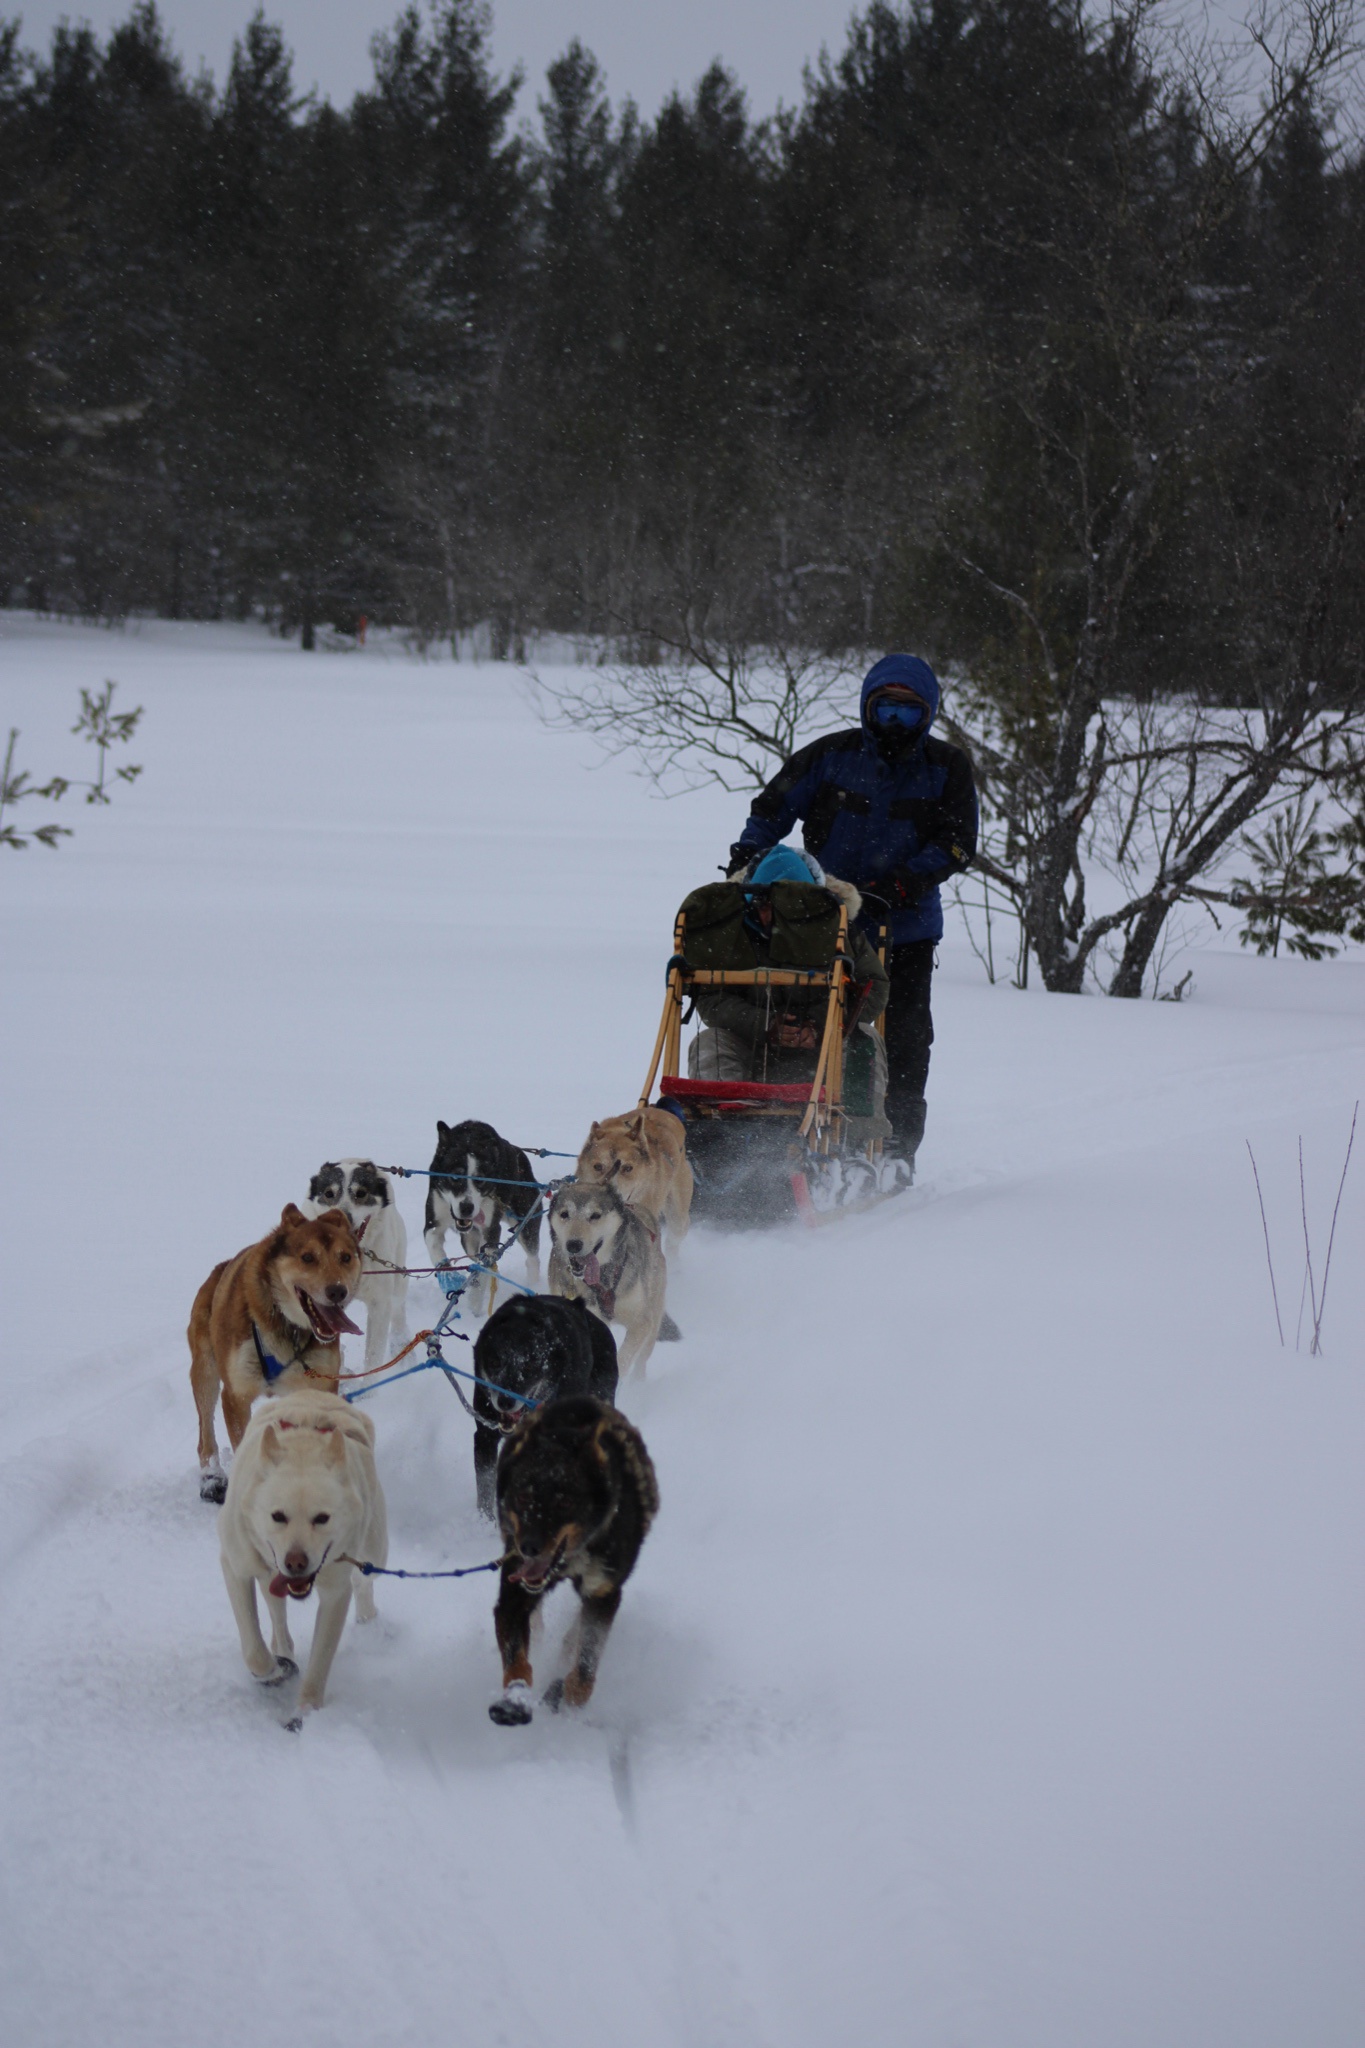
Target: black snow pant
(909, 1035)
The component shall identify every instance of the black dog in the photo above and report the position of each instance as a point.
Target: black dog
(482, 1179)
(576, 1496)
(543, 1347)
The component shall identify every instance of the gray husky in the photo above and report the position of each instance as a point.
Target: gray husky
(609, 1255)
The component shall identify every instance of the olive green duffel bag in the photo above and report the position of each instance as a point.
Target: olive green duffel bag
(804, 933)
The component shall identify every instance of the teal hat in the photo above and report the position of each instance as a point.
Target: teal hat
(781, 864)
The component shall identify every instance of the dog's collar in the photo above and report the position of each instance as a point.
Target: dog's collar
(271, 1366)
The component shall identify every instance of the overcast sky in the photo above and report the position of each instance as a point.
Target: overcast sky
(645, 49)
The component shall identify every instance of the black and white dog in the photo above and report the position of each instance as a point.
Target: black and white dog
(477, 1179)
(541, 1347)
(365, 1193)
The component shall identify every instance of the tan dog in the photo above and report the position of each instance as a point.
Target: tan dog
(270, 1320)
(643, 1155)
(303, 1507)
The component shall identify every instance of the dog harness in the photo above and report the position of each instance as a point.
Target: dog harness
(271, 1366)
(606, 1283)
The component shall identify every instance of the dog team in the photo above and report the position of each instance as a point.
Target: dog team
(556, 1465)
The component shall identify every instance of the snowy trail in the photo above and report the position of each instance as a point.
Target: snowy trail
(993, 1674)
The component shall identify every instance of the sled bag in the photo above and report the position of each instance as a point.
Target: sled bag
(804, 934)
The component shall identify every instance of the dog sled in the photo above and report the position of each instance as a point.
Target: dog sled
(764, 1150)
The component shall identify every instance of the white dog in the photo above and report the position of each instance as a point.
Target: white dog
(358, 1187)
(303, 1495)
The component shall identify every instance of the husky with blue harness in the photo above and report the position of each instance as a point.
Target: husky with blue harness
(477, 1180)
(270, 1321)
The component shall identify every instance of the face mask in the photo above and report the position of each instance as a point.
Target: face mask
(891, 714)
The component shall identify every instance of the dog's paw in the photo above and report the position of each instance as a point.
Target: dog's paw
(669, 1333)
(294, 1725)
(553, 1696)
(282, 1668)
(213, 1488)
(512, 1709)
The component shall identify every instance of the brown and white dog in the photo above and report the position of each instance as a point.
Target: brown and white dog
(643, 1155)
(270, 1321)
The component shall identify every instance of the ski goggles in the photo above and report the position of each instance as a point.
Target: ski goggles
(892, 713)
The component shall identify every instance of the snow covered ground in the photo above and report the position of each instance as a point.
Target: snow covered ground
(993, 1675)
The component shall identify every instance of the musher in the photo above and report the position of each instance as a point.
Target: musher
(892, 810)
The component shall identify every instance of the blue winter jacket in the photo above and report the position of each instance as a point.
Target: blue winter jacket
(871, 812)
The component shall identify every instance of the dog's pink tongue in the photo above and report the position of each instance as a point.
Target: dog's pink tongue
(592, 1271)
(335, 1320)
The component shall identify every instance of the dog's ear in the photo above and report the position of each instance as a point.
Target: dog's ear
(588, 1438)
(595, 1132)
(337, 1216)
(271, 1449)
(635, 1125)
(442, 1130)
(291, 1214)
(334, 1450)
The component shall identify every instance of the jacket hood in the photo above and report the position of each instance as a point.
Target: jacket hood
(845, 893)
(910, 673)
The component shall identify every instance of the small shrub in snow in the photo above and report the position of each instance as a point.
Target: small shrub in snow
(104, 728)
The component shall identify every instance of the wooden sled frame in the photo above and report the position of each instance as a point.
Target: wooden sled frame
(822, 1114)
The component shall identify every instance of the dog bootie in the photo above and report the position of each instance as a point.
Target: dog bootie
(512, 1708)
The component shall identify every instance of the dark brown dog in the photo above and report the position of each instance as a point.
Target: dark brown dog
(576, 1496)
(270, 1320)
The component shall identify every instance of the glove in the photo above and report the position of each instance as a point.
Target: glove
(740, 856)
(903, 890)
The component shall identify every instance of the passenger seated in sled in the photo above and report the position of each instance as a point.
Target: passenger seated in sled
(783, 910)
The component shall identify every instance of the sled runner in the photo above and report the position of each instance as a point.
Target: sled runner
(764, 1150)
